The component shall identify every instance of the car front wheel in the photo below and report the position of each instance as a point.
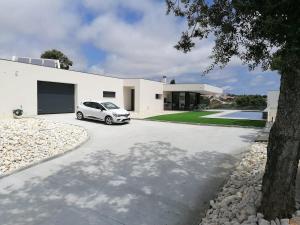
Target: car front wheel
(79, 116)
(109, 120)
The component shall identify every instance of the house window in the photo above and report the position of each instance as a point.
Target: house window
(109, 94)
(158, 96)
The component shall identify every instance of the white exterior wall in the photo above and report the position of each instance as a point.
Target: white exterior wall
(273, 97)
(18, 86)
(148, 102)
(201, 88)
(145, 90)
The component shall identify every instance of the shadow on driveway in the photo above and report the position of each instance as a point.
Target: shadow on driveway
(155, 184)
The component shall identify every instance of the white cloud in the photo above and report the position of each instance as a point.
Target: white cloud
(30, 27)
(227, 75)
(144, 48)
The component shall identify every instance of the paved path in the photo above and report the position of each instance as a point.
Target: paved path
(144, 173)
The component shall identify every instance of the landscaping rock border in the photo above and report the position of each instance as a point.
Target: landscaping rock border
(239, 198)
(237, 202)
(24, 142)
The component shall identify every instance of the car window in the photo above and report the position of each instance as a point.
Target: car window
(87, 104)
(101, 107)
(109, 105)
(95, 105)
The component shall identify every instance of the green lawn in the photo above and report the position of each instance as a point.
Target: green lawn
(197, 117)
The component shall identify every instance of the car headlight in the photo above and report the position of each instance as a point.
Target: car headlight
(115, 115)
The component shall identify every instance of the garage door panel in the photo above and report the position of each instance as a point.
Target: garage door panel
(55, 97)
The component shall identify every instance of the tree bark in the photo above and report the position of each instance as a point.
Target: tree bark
(278, 189)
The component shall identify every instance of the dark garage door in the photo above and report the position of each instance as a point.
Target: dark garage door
(55, 97)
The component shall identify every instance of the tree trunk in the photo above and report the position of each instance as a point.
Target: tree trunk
(283, 150)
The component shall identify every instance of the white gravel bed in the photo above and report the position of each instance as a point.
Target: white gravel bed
(237, 202)
(26, 141)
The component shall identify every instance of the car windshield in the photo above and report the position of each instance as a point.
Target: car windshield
(109, 105)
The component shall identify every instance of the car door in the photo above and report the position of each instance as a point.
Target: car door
(98, 111)
(102, 112)
(88, 109)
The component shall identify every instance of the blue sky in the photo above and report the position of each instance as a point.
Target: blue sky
(131, 38)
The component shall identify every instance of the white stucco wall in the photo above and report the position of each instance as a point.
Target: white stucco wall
(272, 103)
(145, 90)
(200, 88)
(148, 102)
(18, 86)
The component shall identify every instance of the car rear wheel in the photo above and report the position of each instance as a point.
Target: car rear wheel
(109, 120)
(79, 115)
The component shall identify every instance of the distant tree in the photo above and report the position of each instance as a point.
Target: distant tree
(251, 101)
(265, 34)
(64, 61)
(172, 81)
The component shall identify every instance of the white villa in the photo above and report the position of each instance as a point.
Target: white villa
(36, 87)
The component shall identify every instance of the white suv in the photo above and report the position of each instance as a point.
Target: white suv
(104, 111)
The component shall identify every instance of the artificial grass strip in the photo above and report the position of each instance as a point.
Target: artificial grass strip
(197, 117)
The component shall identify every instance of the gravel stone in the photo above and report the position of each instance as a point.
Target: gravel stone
(26, 141)
(240, 197)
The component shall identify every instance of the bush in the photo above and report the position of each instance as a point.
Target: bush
(251, 102)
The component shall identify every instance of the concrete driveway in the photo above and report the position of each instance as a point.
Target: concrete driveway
(144, 173)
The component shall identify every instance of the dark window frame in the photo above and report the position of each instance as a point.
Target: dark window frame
(109, 94)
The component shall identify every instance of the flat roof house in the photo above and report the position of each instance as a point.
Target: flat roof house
(44, 90)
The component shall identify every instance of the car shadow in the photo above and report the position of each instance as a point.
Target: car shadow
(155, 184)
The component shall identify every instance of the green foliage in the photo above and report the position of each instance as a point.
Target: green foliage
(224, 106)
(251, 101)
(197, 117)
(247, 102)
(65, 62)
(257, 32)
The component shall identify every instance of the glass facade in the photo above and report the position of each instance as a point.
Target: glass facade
(182, 101)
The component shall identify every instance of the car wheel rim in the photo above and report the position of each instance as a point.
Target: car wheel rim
(79, 116)
(108, 120)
